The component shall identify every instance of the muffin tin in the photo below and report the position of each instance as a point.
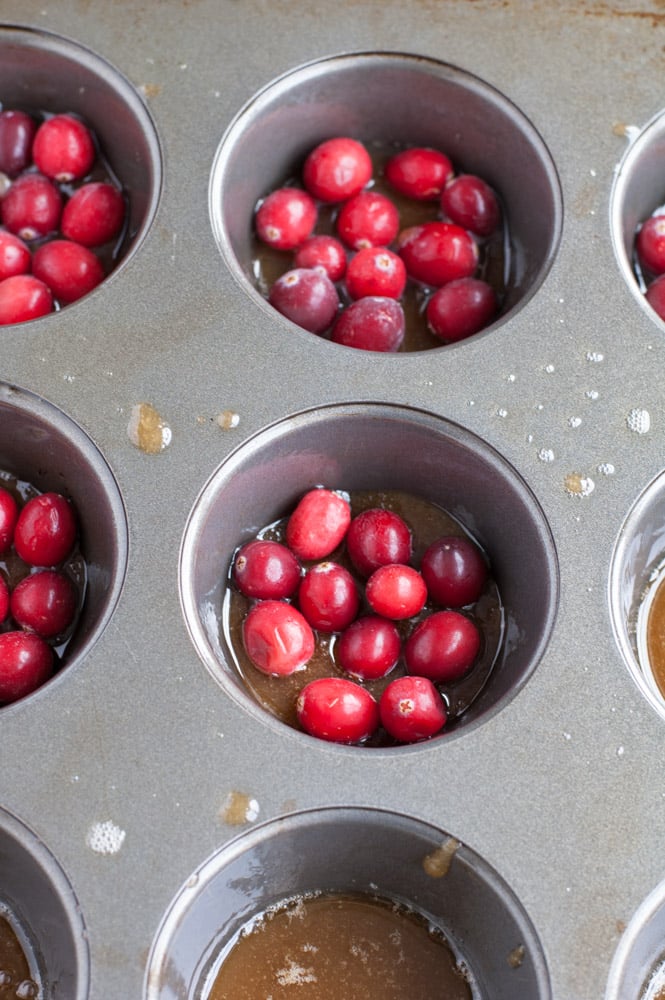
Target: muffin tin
(143, 771)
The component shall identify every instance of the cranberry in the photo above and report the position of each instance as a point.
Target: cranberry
(337, 169)
(438, 252)
(655, 295)
(374, 323)
(26, 662)
(454, 570)
(8, 516)
(318, 524)
(266, 569)
(650, 244)
(375, 271)
(396, 591)
(338, 710)
(277, 639)
(369, 219)
(461, 308)
(4, 599)
(419, 173)
(23, 297)
(285, 218)
(328, 597)
(63, 148)
(377, 537)
(32, 207)
(17, 131)
(323, 252)
(442, 647)
(14, 255)
(369, 648)
(45, 530)
(412, 709)
(69, 269)
(94, 214)
(470, 202)
(44, 603)
(306, 297)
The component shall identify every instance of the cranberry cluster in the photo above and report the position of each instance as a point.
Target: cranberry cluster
(297, 590)
(38, 612)
(350, 285)
(650, 259)
(55, 217)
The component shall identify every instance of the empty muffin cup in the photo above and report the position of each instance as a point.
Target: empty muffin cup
(374, 447)
(637, 971)
(390, 101)
(349, 850)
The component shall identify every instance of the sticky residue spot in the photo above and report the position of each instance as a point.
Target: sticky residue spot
(546, 455)
(105, 838)
(239, 808)
(638, 421)
(516, 957)
(437, 863)
(577, 485)
(606, 469)
(595, 356)
(147, 430)
(228, 420)
(574, 421)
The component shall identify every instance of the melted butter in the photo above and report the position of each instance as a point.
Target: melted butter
(147, 430)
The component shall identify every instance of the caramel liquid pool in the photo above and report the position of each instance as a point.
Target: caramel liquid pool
(17, 980)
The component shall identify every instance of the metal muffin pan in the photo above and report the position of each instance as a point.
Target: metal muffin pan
(123, 765)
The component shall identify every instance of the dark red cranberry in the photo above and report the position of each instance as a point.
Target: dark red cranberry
(277, 639)
(15, 257)
(328, 597)
(375, 271)
(374, 323)
(4, 599)
(437, 252)
(26, 662)
(23, 297)
(369, 648)
(655, 295)
(266, 569)
(44, 603)
(419, 172)
(17, 131)
(337, 169)
(338, 710)
(285, 218)
(369, 219)
(442, 646)
(396, 591)
(378, 537)
(69, 269)
(63, 148)
(306, 297)
(322, 252)
(94, 214)
(8, 517)
(454, 570)
(461, 308)
(32, 207)
(412, 709)
(650, 244)
(318, 524)
(470, 202)
(45, 530)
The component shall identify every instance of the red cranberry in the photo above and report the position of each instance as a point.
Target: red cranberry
(369, 219)
(63, 148)
(369, 648)
(655, 295)
(438, 252)
(323, 252)
(650, 244)
(17, 131)
(374, 323)
(396, 591)
(285, 218)
(306, 297)
(412, 709)
(454, 570)
(45, 530)
(8, 516)
(419, 173)
(338, 710)
(94, 214)
(337, 169)
(4, 599)
(15, 256)
(69, 269)
(266, 569)
(277, 639)
(378, 537)
(375, 271)
(44, 603)
(442, 647)
(318, 524)
(461, 308)
(328, 597)
(26, 662)
(470, 202)
(32, 207)
(23, 297)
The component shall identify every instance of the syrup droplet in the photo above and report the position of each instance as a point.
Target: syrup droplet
(574, 421)
(437, 863)
(546, 455)
(147, 430)
(239, 808)
(228, 420)
(577, 485)
(638, 420)
(105, 838)
(516, 956)
(606, 469)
